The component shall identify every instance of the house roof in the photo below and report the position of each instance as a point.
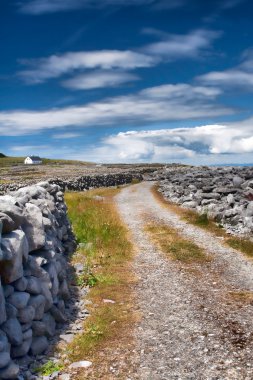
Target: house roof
(35, 158)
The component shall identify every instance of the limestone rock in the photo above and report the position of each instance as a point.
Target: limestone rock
(33, 227)
(20, 284)
(38, 302)
(10, 372)
(26, 315)
(33, 285)
(14, 247)
(14, 212)
(22, 349)
(4, 359)
(8, 223)
(13, 330)
(39, 345)
(19, 299)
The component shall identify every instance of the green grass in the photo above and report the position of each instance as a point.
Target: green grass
(49, 368)
(11, 161)
(243, 245)
(106, 252)
(17, 161)
(175, 246)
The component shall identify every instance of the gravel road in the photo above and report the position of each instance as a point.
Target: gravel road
(197, 319)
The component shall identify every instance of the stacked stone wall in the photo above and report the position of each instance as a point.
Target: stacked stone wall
(35, 241)
(82, 182)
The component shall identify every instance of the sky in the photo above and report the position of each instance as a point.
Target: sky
(127, 80)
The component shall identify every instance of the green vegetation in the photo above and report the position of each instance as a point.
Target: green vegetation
(11, 161)
(49, 368)
(106, 253)
(174, 245)
(243, 245)
(2, 155)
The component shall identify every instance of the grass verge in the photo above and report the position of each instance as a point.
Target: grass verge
(175, 246)
(201, 220)
(106, 252)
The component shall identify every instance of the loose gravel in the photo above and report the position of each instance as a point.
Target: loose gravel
(197, 319)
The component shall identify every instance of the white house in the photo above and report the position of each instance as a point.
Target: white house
(33, 160)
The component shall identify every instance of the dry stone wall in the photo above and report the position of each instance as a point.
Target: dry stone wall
(82, 182)
(225, 194)
(35, 240)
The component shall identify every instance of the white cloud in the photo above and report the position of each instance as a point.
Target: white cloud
(99, 79)
(172, 47)
(240, 76)
(57, 65)
(177, 46)
(211, 143)
(175, 102)
(66, 135)
(37, 7)
(29, 148)
(229, 78)
(181, 90)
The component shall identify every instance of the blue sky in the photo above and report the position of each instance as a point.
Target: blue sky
(127, 80)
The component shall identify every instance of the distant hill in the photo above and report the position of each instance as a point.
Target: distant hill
(2, 155)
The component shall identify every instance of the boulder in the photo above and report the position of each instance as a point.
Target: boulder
(9, 372)
(11, 311)
(19, 299)
(38, 328)
(237, 181)
(33, 285)
(13, 330)
(50, 324)
(26, 315)
(38, 303)
(58, 315)
(8, 223)
(14, 212)
(4, 359)
(39, 345)
(15, 248)
(20, 284)
(51, 270)
(8, 290)
(45, 291)
(33, 227)
(22, 349)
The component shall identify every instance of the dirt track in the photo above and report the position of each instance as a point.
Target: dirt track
(197, 319)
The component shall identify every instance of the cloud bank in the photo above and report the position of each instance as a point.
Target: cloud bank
(209, 143)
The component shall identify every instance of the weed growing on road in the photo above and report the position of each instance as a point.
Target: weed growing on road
(201, 220)
(48, 368)
(177, 247)
(243, 245)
